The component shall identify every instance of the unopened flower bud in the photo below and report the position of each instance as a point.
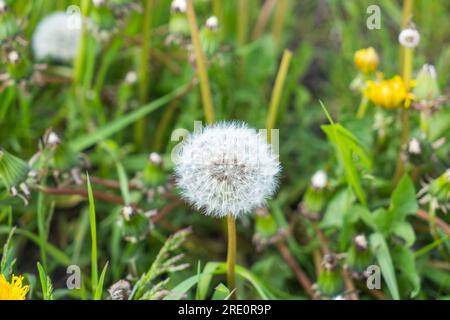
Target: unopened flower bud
(360, 242)
(366, 60)
(127, 212)
(426, 88)
(409, 38)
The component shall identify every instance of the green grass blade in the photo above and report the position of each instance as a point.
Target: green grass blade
(92, 220)
(99, 290)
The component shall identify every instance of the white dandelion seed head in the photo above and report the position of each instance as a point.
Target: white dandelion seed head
(227, 168)
(409, 38)
(179, 6)
(56, 37)
(319, 180)
(212, 23)
(414, 146)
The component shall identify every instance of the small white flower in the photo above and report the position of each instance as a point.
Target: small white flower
(319, 180)
(131, 77)
(13, 57)
(414, 146)
(55, 38)
(212, 23)
(227, 168)
(409, 38)
(179, 6)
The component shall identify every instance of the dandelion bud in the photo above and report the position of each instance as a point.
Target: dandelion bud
(437, 192)
(212, 23)
(358, 256)
(330, 283)
(366, 60)
(227, 168)
(128, 212)
(179, 6)
(409, 38)
(426, 88)
(135, 225)
(13, 57)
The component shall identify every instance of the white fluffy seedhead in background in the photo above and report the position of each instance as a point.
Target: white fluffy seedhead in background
(409, 38)
(227, 168)
(179, 6)
(56, 37)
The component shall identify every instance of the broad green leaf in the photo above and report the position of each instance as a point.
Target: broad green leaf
(205, 279)
(405, 262)
(381, 251)
(403, 201)
(339, 206)
(405, 231)
(221, 292)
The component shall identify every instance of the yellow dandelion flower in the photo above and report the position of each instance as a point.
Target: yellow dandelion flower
(366, 60)
(14, 290)
(390, 94)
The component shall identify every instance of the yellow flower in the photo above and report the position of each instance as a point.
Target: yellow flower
(366, 60)
(13, 290)
(390, 94)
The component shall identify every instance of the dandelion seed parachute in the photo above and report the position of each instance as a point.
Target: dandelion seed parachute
(228, 168)
(56, 37)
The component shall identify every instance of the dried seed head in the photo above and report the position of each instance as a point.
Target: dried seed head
(56, 37)
(120, 290)
(409, 38)
(227, 168)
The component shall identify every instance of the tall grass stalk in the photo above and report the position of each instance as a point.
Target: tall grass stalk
(144, 66)
(201, 64)
(406, 60)
(92, 221)
(280, 17)
(277, 91)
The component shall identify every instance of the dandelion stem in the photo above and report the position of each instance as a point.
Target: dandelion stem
(231, 256)
(406, 59)
(201, 64)
(362, 107)
(277, 90)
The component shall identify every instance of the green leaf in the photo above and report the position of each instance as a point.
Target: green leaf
(405, 262)
(181, 289)
(99, 289)
(46, 284)
(403, 200)
(92, 220)
(205, 279)
(338, 207)
(405, 231)
(115, 126)
(221, 292)
(381, 251)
